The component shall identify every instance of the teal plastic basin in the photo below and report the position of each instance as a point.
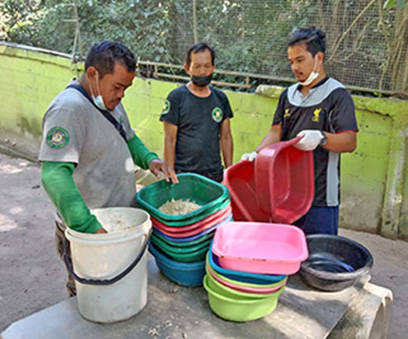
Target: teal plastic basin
(194, 187)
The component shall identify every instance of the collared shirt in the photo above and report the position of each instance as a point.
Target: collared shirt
(77, 132)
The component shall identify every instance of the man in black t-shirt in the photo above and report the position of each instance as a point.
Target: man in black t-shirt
(319, 109)
(196, 119)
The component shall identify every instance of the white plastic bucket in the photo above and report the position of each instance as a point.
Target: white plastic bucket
(104, 256)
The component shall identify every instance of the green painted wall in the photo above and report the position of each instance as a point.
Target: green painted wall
(374, 189)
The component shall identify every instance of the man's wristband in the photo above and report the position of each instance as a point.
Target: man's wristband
(324, 139)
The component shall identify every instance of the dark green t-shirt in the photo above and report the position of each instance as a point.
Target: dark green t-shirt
(199, 122)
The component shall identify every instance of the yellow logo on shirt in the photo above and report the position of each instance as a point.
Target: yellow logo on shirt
(287, 114)
(316, 114)
(57, 137)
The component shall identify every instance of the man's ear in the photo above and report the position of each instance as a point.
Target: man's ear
(93, 72)
(320, 56)
(187, 69)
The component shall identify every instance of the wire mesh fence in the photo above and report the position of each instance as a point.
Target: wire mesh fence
(367, 40)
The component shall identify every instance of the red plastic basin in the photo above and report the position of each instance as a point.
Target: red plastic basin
(202, 224)
(240, 181)
(194, 231)
(284, 181)
(278, 187)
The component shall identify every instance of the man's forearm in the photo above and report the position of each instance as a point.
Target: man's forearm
(341, 142)
(273, 136)
(227, 148)
(59, 184)
(169, 151)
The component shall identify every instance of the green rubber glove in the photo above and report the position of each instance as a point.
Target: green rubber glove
(140, 154)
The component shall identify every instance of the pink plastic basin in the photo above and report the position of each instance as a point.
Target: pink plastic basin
(260, 247)
(241, 288)
(284, 181)
(210, 220)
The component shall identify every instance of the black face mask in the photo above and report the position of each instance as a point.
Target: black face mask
(201, 81)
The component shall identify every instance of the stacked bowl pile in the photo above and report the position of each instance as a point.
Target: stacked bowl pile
(247, 267)
(180, 242)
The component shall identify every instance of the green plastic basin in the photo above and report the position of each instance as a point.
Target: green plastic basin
(197, 188)
(239, 309)
(205, 238)
(182, 250)
(188, 221)
(188, 257)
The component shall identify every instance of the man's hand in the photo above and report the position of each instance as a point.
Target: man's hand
(311, 139)
(159, 167)
(249, 156)
(101, 230)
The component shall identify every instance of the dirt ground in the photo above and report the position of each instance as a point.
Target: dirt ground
(32, 277)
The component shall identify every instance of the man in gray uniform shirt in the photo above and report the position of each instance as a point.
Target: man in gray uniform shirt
(89, 149)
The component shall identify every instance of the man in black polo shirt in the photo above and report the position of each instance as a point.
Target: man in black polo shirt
(321, 110)
(196, 120)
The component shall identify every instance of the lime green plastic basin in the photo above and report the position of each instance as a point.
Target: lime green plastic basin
(240, 283)
(239, 309)
(232, 293)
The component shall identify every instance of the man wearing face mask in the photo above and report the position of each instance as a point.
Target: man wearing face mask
(321, 111)
(89, 149)
(196, 119)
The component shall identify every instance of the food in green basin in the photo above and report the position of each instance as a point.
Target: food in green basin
(177, 207)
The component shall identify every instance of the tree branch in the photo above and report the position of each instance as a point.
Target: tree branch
(336, 46)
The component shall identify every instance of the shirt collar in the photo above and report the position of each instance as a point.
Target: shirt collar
(321, 82)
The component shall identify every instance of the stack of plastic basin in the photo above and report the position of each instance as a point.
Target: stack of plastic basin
(179, 243)
(247, 267)
(277, 187)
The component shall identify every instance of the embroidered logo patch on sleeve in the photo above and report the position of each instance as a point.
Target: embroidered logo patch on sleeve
(166, 107)
(217, 114)
(57, 137)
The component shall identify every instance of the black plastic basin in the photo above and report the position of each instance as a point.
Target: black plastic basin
(335, 262)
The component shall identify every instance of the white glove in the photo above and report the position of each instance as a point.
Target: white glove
(249, 156)
(311, 139)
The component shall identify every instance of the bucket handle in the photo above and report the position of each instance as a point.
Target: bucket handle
(104, 282)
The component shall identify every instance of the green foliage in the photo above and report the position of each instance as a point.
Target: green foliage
(248, 35)
(141, 25)
(391, 3)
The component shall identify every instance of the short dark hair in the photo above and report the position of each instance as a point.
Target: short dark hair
(105, 54)
(199, 47)
(314, 39)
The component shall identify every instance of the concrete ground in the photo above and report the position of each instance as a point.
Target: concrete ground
(32, 278)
